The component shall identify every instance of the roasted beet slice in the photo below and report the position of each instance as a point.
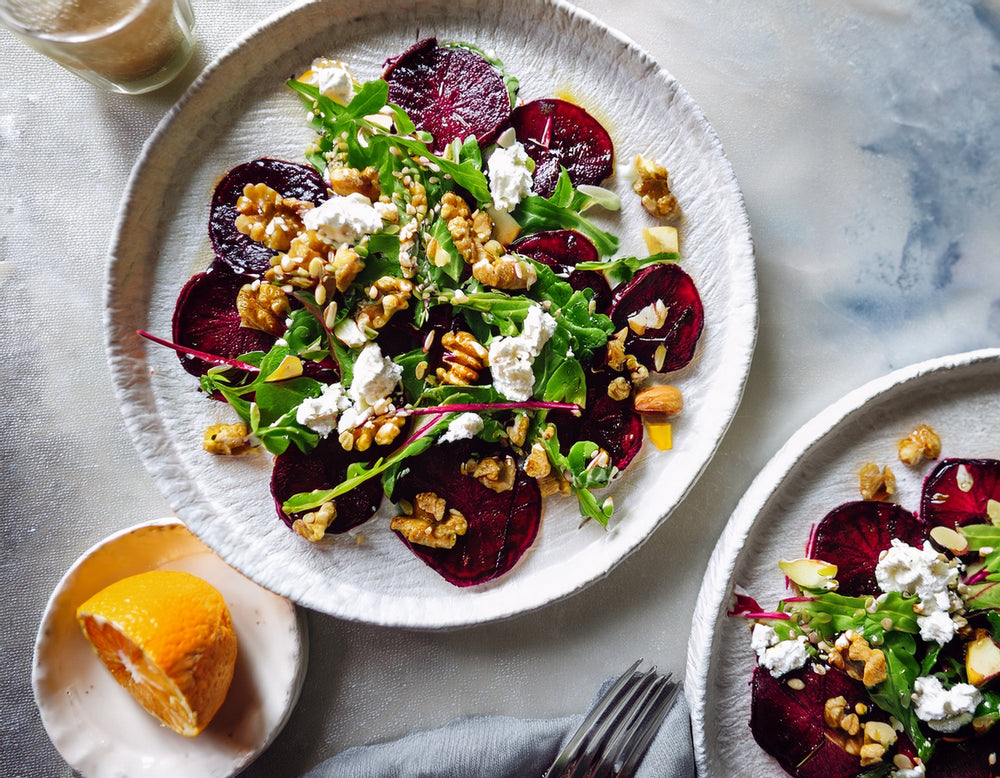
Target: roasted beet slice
(788, 723)
(853, 535)
(660, 293)
(323, 468)
(502, 526)
(206, 319)
(451, 92)
(968, 759)
(557, 134)
(961, 491)
(562, 250)
(290, 179)
(614, 425)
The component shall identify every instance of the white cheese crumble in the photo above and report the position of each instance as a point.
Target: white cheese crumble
(375, 376)
(928, 575)
(511, 357)
(509, 175)
(944, 710)
(333, 79)
(320, 413)
(343, 219)
(462, 427)
(777, 656)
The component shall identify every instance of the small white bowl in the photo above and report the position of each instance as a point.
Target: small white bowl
(97, 726)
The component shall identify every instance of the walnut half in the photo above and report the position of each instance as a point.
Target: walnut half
(430, 523)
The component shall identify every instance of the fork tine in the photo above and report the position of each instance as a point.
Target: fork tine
(619, 719)
(571, 752)
(649, 724)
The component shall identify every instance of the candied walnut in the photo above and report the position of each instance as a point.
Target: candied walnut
(303, 265)
(537, 464)
(651, 185)
(493, 473)
(517, 432)
(619, 361)
(428, 524)
(852, 654)
(464, 356)
(381, 430)
(262, 307)
(268, 218)
(661, 399)
(875, 484)
(226, 439)
(313, 526)
(388, 295)
(345, 267)
(553, 483)
(348, 180)
(922, 443)
(504, 272)
(619, 388)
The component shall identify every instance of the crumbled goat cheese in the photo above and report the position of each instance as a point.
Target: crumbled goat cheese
(928, 575)
(375, 376)
(938, 626)
(332, 79)
(777, 656)
(462, 427)
(509, 175)
(511, 357)
(320, 413)
(944, 710)
(343, 219)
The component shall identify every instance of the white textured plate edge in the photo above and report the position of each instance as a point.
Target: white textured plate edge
(285, 637)
(600, 559)
(717, 582)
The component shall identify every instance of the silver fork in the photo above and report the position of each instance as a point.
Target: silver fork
(615, 735)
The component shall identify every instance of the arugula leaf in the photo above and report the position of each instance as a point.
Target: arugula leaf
(270, 414)
(583, 473)
(893, 694)
(562, 211)
(624, 268)
(358, 473)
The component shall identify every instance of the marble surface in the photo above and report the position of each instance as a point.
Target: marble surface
(863, 134)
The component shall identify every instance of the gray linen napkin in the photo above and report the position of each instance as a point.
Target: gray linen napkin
(502, 747)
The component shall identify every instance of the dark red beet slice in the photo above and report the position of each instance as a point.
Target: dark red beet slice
(788, 723)
(502, 526)
(969, 759)
(562, 250)
(958, 492)
(449, 92)
(290, 179)
(323, 468)
(557, 134)
(685, 316)
(614, 425)
(853, 535)
(206, 319)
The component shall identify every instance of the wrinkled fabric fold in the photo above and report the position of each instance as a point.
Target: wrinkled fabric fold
(501, 747)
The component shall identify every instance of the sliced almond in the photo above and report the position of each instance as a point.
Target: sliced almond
(948, 538)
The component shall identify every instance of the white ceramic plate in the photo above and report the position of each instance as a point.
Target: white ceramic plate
(958, 396)
(240, 110)
(97, 726)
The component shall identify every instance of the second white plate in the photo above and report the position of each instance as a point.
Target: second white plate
(958, 396)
